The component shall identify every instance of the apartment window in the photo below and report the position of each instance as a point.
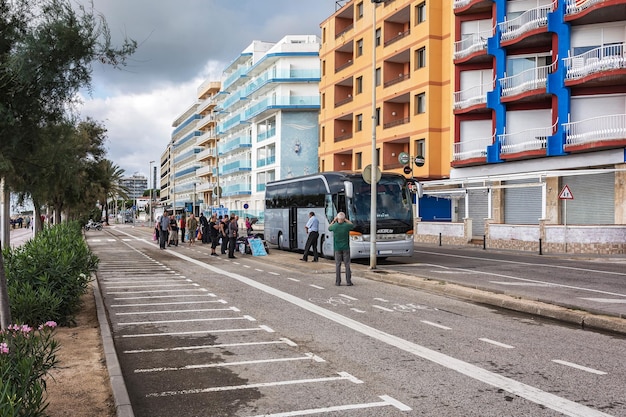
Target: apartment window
(377, 156)
(420, 58)
(377, 77)
(324, 35)
(359, 85)
(378, 36)
(323, 134)
(323, 67)
(323, 100)
(420, 13)
(359, 47)
(359, 10)
(358, 160)
(420, 103)
(420, 147)
(377, 116)
(359, 122)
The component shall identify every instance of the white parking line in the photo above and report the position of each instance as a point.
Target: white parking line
(493, 342)
(382, 308)
(606, 300)
(174, 303)
(582, 368)
(307, 356)
(282, 340)
(211, 331)
(430, 323)
(349, 297)
(342, 376)
(293, 279)
(147, 286)
(387, 401)
(143, 292)
(150, 297)
(177, 311)
(316, 286)
(142, 323)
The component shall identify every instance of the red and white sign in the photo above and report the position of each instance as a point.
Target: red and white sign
(566, 194)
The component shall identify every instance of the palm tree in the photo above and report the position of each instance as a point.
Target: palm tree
(110, 184)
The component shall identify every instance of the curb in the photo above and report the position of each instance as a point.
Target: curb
(120, 394)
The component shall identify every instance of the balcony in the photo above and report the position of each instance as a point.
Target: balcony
(577, 6)
(282, 102)
(474, 148)
(232, 144)
(604, 58)
(344, 101)
(472, 96)
(398, 79)
(471, 44)
(206, 154)
(266, 135)
(529, 80)
(235, 166)
(526, 140)
(205, 138)
(397, 122)
(400, 35)
(603, 131)
(528, 21)
(266, 161)
(236, 189)
(204, 171)
(205, 186)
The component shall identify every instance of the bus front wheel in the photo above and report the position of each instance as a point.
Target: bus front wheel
(281, 242)
(322, 247)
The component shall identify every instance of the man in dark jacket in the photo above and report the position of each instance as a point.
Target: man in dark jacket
(233, 233)
(204, 228)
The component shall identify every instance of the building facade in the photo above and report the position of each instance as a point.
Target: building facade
(387, 64)
(266, 119)
(135, 184)
(540, 125)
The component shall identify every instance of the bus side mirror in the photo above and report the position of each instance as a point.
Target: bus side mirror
(349, 189)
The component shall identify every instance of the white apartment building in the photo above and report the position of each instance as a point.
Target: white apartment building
(266, 119)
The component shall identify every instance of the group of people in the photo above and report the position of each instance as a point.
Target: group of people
(216, 231)
(340, 226)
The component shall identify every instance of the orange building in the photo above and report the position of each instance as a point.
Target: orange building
(412, 73)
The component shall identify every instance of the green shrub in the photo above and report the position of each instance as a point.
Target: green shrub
(51, 271)
(26, 356)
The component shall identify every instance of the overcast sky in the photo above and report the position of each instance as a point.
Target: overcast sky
(181, 44)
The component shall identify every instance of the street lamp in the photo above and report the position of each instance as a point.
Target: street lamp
(374, 170)
(150, 185)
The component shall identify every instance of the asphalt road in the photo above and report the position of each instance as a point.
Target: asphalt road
(199, 335)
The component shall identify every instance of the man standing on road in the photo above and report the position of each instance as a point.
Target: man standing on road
(313, 229)
(192, 228)
(204, 228)
(340, 226)
(214, 233)
(233, 233)
(164, 226)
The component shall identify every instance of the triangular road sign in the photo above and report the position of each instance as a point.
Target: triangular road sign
(566, 194)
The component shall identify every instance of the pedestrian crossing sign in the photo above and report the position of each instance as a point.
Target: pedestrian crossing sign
(566, 194)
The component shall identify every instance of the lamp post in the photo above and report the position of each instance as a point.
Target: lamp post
(150, 185)
(374, 169)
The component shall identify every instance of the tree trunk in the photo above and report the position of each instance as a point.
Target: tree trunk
(5, 308)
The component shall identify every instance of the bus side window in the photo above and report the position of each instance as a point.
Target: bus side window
(330, 209)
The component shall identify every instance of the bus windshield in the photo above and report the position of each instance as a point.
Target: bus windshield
(393, 204)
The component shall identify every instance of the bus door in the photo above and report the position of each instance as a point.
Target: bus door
(293, 227)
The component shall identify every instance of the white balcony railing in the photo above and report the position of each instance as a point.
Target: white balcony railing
(461, 3)
(526, 140)
(600, 59)
(472, 43)
(472, 96)
(527, 21)
(577, 6)
(204, 171)
(531, 79)
(596, 129)
(475, 148)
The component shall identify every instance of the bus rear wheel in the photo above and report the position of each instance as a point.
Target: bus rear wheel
(281, 242)
(322, 247)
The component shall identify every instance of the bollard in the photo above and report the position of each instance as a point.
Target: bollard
(439, 239)
(540, 251)
(484, 242)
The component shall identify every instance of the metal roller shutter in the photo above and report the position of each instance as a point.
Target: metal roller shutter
(522, 205)
(478, 207)
(594, 199)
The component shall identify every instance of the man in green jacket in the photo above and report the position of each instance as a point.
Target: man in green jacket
(340, 226)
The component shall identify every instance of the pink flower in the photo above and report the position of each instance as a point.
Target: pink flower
(49, 324)
(4, 348)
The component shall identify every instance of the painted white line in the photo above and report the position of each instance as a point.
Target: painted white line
(129, 336)
(582, 368)
(552, 401)
(606, 300)
(430, 323)
(493, 342)
(342, 376)
(247, 266)
(147, 286)
(382, 300)
(521, 284)
(273, 273)
(349, 297)
(258, 270)
(141, 323)
(249, 318)
(382, 308)
(153, 297)
(144, 292)
(316, 286)
(110, 240)
(293, 279)
(223, 345)
(177, 311)
(308, 356)
(357, 310)
(166, 304)
(267, 328)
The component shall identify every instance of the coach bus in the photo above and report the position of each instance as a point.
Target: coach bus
(288, 203)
